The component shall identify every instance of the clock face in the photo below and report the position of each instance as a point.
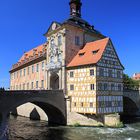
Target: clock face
(54, 26)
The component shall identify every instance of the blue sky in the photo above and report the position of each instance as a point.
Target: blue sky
(23, 23)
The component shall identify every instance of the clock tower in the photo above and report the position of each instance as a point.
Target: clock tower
(75, 8)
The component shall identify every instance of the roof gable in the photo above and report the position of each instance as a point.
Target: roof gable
(54, 25)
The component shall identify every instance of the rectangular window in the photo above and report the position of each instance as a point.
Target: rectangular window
(77, 40)
(101, 71)
(112, 87)
(37, 67)
(14, 75)
(37, 84)
(110, 73)
(71, 87)
(42, 84)
(119, 87)
(33, 69)
(28, 70)
(91, 105)
(92, 87)
(71, 74)
(74, 104)
(23, 86)
(20, 87)
(32, 85)
(20, 73)
(17, 74)
(92, 72)
(24, 72)
(42, 66)
(118, 74)
(100, 86)
(27, 86)
(59, 40)
(105, 86)
(82, 104)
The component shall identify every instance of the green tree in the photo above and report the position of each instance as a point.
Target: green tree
(129, 83)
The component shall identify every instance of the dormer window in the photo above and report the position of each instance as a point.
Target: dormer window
(81, 54)
(94, 52)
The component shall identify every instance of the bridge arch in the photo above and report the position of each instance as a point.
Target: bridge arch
(52, 103)
(130, 106)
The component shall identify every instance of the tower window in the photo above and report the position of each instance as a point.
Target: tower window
(52, 42)
(77, 40)
(59, 40)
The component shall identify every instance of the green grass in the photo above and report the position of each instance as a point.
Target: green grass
(76, 124)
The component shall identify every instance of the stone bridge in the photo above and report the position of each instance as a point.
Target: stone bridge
(131, 102)
(51, 101)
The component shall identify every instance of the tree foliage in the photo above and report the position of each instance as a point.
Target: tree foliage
(2, 89)
(129, 83)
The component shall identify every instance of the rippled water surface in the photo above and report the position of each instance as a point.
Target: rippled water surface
(24, 129)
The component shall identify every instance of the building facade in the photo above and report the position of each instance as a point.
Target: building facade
(77, 59)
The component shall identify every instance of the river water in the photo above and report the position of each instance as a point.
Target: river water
(25, 129)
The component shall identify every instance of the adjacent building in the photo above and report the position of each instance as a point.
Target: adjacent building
(77, 59)
(136, 76)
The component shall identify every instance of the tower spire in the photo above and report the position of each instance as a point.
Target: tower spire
(75, 8)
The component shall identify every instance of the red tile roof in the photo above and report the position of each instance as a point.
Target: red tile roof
(31, 53)
(90, 54)
(30, 56)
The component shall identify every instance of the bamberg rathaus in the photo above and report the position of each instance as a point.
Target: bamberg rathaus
(77, 59)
